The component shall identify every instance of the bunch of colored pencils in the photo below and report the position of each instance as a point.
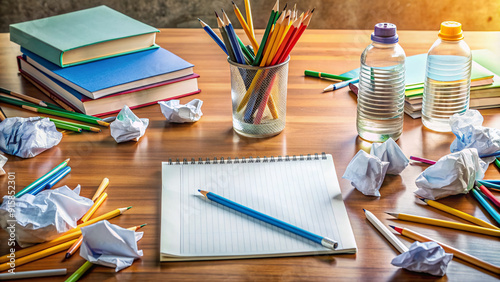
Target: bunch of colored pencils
(282, 32)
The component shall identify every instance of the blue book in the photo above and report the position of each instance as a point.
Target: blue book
(117, 74)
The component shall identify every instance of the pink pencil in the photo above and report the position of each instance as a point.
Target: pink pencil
(422, 160)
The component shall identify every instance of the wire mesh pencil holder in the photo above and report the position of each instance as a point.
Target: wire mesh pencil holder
(259, 99)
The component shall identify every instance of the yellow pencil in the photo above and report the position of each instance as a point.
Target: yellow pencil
(38, 255)
(458, 213)
(108, 215)
(272, 38)
(447, 224)
(104, 184)
(248, 12)
(456, 253)
(245, 27)
(277, 40)
(43, 246)
(94, 207)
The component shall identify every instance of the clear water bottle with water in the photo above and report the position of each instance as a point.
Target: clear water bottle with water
(381, 86)
(447, 78)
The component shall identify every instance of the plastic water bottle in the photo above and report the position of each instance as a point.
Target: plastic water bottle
(447, 78)
(381, 86)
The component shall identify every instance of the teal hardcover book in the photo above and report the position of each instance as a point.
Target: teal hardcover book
(83, 36)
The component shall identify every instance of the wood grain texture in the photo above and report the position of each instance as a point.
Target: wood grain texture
(316, 122)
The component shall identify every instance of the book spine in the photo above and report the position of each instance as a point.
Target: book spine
(36, 46)
(243, 160)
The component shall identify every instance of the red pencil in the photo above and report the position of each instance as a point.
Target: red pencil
(285, 41)
(299, 32)
(488, 194)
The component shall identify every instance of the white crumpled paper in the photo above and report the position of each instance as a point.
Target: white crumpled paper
(390, 152)
(110, 245)
(175, 112)
(127, 126)
(470, 133)
(452, 174)
(28, 137)
(43, 217)
(3, 160)
(428, 257)
(366, 173)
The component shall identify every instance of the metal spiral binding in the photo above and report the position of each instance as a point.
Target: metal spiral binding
(250, 159)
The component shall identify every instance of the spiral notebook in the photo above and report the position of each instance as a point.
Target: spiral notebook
(303, 191)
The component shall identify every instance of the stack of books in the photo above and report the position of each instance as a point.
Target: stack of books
(97, 60)
(485, 82)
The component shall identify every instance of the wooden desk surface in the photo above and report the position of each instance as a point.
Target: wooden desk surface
(316, 122)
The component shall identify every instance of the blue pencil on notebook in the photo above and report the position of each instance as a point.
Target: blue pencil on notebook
(324, 241)
(214, 36)
(339, 85)
(234, 41)
(50, 182)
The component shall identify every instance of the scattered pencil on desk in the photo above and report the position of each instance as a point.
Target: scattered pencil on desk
(339, 85)
(447, 224)
(488, 194)
(490, 184)
(61, 104)
(325, 75)
(461, 214)
(77, 125)
(422, 160)
(33, 274)
(484, 203)
(66, 115)
(24, 97)
(42, 179)
(456, 253)
(109, 215)
(104, 184)
(2, 115)
(324, 241)
(51, 181)
(385, 232)
(495, 154)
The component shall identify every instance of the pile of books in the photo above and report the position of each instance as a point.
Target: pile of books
(485, 82)
(97, 60)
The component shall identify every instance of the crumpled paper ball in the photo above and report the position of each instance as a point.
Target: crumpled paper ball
(453, 174)
(177, 113)
(127, 126)
(366, 173)
(3, 161)
(390, 152)
(470, 133)
(427, 257)
(28, 137)
(45, 216)
(110, 245)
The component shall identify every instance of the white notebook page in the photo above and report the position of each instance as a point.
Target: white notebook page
(304, 193)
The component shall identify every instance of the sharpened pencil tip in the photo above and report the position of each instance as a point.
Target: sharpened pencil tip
(284, 8)
(143, 225)
(68, 255)
(129, 207)
(364, 210)
(393, 227)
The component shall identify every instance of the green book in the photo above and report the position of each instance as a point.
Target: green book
(83, 36)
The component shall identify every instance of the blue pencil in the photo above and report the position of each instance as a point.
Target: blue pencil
(324, 241)
(486, 205)
(214, 36)
(50, 182)
(234, 42)
(493, 181)
(339, 85)
(497, 153)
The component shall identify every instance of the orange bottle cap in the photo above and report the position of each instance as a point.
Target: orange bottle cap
(451, 30)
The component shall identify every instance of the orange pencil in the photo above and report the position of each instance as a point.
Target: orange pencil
(272, 39)
(278, 40)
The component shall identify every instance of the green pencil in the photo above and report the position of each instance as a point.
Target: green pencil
(80, 272)
(77, 125)
(67, 127)
(497, 162)
(272, 19)
(65, 114)
(41, 179)
(325, 75)
(248, 55)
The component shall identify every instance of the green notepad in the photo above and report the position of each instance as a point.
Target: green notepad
(83, 36)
